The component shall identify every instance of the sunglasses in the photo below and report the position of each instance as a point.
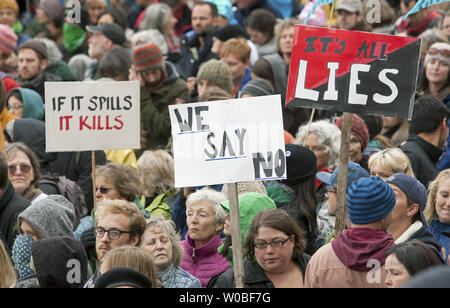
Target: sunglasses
(103, 190)
(24, 168)
(435, 51)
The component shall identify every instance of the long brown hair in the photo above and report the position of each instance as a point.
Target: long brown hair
(7, 274)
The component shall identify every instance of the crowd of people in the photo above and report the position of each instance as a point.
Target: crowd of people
(136, 229)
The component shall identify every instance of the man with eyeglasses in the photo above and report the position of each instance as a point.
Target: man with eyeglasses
(117, 223)
(355, 171)
(11, 205)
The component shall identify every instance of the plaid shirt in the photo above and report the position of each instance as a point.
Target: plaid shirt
(176, 277)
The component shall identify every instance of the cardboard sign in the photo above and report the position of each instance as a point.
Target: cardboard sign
(228, 141)
(353, 71)
(88, 116)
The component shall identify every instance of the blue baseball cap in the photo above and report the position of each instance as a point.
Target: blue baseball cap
(355, 172)
(413, 189)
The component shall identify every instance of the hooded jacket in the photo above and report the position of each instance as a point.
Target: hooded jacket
(250, 204)
(60, 262)
(33, 106)
(355, 259)
(203, 262)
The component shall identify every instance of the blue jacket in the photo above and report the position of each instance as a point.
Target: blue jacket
(437, 227)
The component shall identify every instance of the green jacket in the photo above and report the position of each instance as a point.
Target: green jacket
(250, 204)
(62, 70)
(155, 119)
(161, 204)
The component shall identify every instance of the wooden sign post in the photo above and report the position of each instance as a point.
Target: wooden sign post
(226, 142)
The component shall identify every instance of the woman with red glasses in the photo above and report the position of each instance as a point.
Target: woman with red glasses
(435, 80)
(24, 171)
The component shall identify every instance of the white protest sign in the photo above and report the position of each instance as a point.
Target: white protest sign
(228, 141)
(89, 116)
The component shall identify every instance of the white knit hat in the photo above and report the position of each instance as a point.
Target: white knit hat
(439, 51)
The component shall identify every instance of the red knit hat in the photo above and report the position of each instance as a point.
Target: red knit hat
(359, 129)
(147, 57)
(8, 39)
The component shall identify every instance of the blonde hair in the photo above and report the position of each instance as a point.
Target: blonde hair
(156, 171)
(392, 159)
(131, 257)
(160, 224)
(7, 273)
(430, 210)
(137, 219)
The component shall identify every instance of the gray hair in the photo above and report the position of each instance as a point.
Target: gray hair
(161, 224)
(156, 17)
(150, 36)
(211, 196)
(329, 136)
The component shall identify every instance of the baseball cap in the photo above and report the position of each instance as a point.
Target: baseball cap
(413, 189)
(112, 31)
(352, 6)
(355, 171)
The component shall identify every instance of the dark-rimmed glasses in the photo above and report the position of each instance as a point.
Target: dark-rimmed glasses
(113, 234)
(273, 243)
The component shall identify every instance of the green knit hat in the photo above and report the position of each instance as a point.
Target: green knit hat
(216, 72)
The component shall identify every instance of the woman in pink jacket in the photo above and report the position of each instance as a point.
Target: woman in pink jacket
(205, 220)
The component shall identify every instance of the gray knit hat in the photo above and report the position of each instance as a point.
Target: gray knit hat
(216, 72)
(257, 87)
(51, 216)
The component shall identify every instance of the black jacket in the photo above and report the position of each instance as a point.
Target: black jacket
(254, 276)
(189, 63)
(424, 235)
(424, 157)
(11, 205)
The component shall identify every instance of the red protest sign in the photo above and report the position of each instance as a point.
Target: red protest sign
(353, 71)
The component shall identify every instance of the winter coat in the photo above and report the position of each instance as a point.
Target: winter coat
(62, 70)
(176, 277)
(192, 56)
(203, 262)
(155, 118)
(33, 105)
(254, 276)
(53, 259)
(420, 232)
(424, 157)
(437, 227)
(11, 205)
(355, 259)
(37, 83)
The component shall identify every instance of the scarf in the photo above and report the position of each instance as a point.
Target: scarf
(74, 37)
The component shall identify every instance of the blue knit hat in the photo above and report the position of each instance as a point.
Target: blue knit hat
(369, 200)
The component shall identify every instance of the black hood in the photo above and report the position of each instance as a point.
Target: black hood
(60, 262)
(32, 133)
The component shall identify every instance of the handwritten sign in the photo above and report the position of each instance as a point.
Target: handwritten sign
(228, 141)
(353, 71)
(88, 116)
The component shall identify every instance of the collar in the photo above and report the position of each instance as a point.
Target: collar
(432, 151)
(409, 232)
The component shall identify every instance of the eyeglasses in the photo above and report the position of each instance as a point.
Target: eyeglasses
(103, 190)
(24, 168)
(272, 243)
(112, 234)
(435, 51)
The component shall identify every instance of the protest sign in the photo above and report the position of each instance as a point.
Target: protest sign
(89, 116)
(228, 141)
(421, 4)
(353, 71)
